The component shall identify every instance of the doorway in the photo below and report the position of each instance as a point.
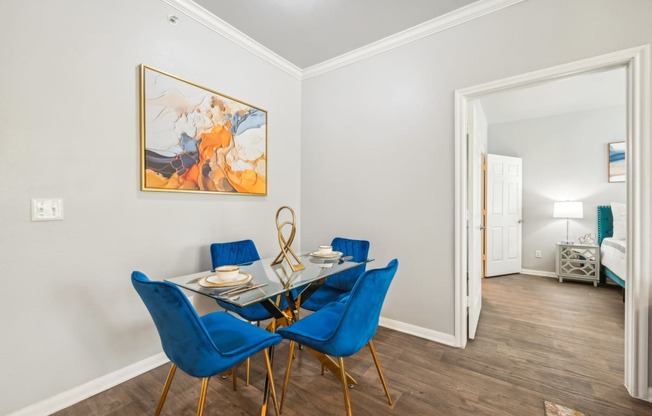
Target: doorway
(639, 204)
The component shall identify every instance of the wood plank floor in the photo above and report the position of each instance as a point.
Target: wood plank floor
(537, 340)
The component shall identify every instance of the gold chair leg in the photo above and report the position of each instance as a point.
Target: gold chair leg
(271, 382)
(380, 372)
(166, 388)
(234, 375)
(345, 387)
(330, 364)
(247, 376)
(286, 380)
(202, 395)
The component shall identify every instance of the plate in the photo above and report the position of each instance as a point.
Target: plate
(214, 281)
(331, 255)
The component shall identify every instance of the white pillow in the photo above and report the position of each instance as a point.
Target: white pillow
(619, 211)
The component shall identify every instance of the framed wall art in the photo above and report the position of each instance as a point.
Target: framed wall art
(617, 162)
(194, 139)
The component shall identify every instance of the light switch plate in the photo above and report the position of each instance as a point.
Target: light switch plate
(47, 209)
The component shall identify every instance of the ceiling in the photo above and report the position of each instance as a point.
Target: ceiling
(583, 92)
(308, 32)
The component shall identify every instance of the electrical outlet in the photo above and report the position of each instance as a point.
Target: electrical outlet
(537, 254)
(47, 209)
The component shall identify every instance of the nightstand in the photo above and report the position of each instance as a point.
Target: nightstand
(578, 262)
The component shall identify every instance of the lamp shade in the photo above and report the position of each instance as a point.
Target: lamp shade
(568, 209)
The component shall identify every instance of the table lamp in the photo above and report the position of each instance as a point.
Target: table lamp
(568, 209)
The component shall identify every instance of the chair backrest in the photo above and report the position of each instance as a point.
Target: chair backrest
(184, 337)
(359, 249)
(359, 320)
(235, 252)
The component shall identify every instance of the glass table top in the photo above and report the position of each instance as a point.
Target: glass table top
(271, 280)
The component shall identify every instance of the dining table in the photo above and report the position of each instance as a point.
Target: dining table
(267, 283)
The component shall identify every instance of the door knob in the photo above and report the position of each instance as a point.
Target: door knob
(521, 221)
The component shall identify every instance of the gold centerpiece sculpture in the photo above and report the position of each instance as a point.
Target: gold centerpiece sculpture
(286, 250)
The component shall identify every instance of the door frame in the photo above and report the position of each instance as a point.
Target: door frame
(639, 197)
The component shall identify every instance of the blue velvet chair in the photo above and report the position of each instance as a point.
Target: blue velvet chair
(337, 287)
(200, 346)
(340, 329)
(239, 252)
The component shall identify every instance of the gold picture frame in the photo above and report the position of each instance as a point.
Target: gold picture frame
(195, 139)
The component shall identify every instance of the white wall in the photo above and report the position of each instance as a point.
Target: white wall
(69, 128)
(378, 135)
(376, 161)
(564, 158)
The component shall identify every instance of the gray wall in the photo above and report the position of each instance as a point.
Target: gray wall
(380, 132)
(564, 158)
(69, 128)
(371, 157)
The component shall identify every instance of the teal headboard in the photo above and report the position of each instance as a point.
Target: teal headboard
(605, 222)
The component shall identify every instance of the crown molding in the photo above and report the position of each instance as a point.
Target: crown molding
(436, 25)
(208, 19)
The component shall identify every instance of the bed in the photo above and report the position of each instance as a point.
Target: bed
(613, 251)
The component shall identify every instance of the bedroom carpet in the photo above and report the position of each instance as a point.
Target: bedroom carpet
(553, 409)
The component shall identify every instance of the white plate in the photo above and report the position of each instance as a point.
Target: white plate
(331, 255)
(217, 279)
(214, 281)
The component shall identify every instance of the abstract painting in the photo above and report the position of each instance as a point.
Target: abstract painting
(617, 162)
(194, 139)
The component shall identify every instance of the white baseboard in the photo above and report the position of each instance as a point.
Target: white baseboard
(440, 337)
(538, 273)
(79, 393)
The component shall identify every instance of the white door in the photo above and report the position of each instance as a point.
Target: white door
(477, 146)
(504, 209)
